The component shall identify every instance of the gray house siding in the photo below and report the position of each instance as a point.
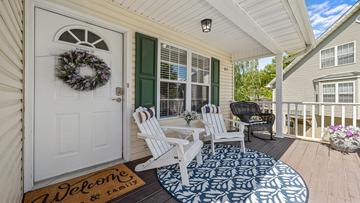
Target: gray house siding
(298, 83)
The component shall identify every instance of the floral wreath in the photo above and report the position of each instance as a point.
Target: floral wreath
(69, 67)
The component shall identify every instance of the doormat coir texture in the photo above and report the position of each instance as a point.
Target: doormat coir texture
(100, 186)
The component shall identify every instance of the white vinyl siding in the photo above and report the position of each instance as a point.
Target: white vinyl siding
(339, 92)
(339, 55)
(11, 100)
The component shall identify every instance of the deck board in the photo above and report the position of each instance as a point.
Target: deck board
(331, 176)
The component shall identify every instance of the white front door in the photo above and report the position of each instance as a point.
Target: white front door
(74, 129)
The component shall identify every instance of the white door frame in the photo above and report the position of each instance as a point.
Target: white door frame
(29, 50)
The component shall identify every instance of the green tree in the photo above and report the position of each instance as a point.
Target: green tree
(251, 83)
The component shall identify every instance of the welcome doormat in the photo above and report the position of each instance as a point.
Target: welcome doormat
(100, 186)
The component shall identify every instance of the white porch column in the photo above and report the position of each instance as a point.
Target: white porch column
(279, 96)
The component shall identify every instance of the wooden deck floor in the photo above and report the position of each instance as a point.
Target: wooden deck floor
(330, 175)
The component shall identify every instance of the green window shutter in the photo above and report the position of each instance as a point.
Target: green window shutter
(215, 81)
(146, 70)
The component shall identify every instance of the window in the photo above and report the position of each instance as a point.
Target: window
(339, 55)
(328, 58)
(329, 94)
(173, 77)
(345, 54)
(342, 92)
(184, 80)
(346, 92)
(200, 78)
(83, 37)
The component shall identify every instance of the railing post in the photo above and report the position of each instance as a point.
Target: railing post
(279, 95)
(288, 118)
(332, 115)
(343, 115)
(354, 116)
(304, 120)
(296, 120)
(322, 120)
(313, 121)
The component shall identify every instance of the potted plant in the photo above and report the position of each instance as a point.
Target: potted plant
(189, 116)
(344, 139)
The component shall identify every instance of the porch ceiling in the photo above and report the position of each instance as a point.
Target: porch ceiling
(245, 28)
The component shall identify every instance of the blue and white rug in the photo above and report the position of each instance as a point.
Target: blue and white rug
(233, 176)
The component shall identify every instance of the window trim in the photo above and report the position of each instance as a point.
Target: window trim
(336, 55)
(188, 81)
(337, 90)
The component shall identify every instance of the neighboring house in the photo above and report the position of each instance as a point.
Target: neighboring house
(330, 71)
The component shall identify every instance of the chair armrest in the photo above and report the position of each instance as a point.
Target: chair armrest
(236, 122)
(268, 117)
(198, 130)
(206, 123)
(169, 140)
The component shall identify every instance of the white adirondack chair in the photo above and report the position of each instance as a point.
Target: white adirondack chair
(215, 127)
(167, 151)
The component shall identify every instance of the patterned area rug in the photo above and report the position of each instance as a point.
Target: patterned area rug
(232, 176)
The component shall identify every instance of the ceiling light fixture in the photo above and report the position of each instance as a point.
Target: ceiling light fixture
(206, 25)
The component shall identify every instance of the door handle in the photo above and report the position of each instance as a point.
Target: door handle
(117, 99)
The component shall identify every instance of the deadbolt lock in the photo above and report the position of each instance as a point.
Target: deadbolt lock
(119, 91)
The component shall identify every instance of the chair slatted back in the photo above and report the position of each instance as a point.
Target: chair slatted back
(215, 119)
(152, 127)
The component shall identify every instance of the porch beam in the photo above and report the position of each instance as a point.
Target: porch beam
(279, 95)
(236, 14)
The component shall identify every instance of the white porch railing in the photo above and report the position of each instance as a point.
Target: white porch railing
(308, 120)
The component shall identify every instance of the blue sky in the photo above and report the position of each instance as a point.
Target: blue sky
(322, 13)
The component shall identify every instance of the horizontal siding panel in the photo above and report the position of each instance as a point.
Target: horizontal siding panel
(6, 111)
(10, 21)
(7, 52)
(6, 34)
(11, 95)
(11, 82)
(7, 66)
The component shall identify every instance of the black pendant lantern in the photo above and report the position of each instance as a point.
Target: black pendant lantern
(206, 25)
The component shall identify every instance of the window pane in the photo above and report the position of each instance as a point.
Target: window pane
(102, 45)
(174, 72)
(173, 66)
(165, 53)
(79, 33)
(194, 75)
(328, 98)
(199, 97)
(92, 37)
(346, 92)
(67, 37)
(328, 58)
(176, 60)
(200, 69)
(329, 93)
(329, 88)
(345, 53)
(182, 73)
(172, 99)
(164, 70)
(346, 98)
